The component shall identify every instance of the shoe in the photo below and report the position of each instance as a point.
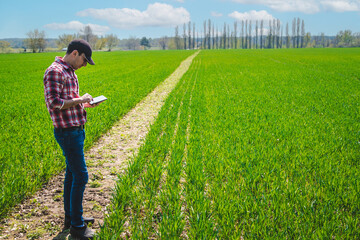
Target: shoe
(67, 222)
(82, 233)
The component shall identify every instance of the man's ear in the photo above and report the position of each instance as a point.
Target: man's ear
(74, 53)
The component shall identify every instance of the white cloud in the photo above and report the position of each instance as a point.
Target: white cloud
(306, 6)
(77, 26)
(341, 6)
(251, 15)
(216, 14)
(157, 14)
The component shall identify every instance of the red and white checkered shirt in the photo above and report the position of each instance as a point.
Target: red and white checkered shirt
(61, 83)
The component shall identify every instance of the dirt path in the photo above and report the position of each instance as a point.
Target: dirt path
(41, 216)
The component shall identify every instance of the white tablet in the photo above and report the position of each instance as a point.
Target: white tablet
(98, 99)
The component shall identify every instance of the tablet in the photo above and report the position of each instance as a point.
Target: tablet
(98, 99)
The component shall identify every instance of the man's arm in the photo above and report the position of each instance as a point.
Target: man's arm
(86, 98)
(53, 87)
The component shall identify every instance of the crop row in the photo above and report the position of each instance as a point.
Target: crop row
(250, 144)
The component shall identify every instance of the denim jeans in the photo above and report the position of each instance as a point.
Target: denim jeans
(76, 175)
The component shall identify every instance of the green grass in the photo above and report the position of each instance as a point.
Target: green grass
(259, 144)
(29, 155)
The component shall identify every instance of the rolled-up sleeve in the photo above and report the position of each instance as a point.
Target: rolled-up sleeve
(53, 85)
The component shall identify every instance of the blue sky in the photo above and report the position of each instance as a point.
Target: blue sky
(159, 17)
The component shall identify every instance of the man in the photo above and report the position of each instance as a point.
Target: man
(66, 108)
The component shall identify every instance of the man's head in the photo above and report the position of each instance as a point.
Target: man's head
(78, 54)
(81, 46)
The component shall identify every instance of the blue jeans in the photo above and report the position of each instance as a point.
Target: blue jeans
(76, 176)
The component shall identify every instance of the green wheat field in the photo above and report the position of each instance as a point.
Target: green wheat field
(251, 144)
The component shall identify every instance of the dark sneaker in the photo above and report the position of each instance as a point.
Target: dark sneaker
(82, 233)
(67, 222)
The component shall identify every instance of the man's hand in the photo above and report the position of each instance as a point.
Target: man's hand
(86, 98)
(88, 105)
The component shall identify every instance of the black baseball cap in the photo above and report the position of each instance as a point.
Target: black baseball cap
(83, 47)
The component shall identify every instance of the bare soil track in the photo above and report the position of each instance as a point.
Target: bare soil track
(41, 216)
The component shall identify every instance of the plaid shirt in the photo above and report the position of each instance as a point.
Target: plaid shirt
(61, 83)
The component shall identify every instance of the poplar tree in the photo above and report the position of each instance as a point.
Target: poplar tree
(189, 34)
(270, 35)
(250, 36)
(204, 41)
(246, 34)
(242, 34)
(287, 36)
(294, 32)
(235, 34)
(193, 36)
(209, 34)
(184, 36)
(274, 33)
(302, 34)
(213, 36)
(256, 34)
(261, 33)
(177, 38)
(298, 33)
(224, 36)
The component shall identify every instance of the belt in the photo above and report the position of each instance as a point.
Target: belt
(81, 127)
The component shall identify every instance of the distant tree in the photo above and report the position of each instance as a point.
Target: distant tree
(36, 40)
(246, 34)
(100, 43)
(193, 42)
(132, 42)
(298, 33)
(344, 38)
(270, 35)
(64, 40)
(111, 41)
(189, 35)
(163, 42)
(307, 39)
(184, 36)
(177, 38)
(356, 39)
(322, 40)
(217, 38)
(302, 34)
(204, 37)
(278, 35)
(145, 43)
(261, 33)
(287, 36)
(87, 34)
(235, 34)
(281, 36)
(294, 32)
(256, 34)
(4, 45)
(274, 33)
(224, 37)
(250, 36)
(229, 36)
(242, 34)
(209, 35)
(213, 36)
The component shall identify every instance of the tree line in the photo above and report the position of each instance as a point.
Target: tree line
(259, 34)
(36, 40)
(245, 34)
